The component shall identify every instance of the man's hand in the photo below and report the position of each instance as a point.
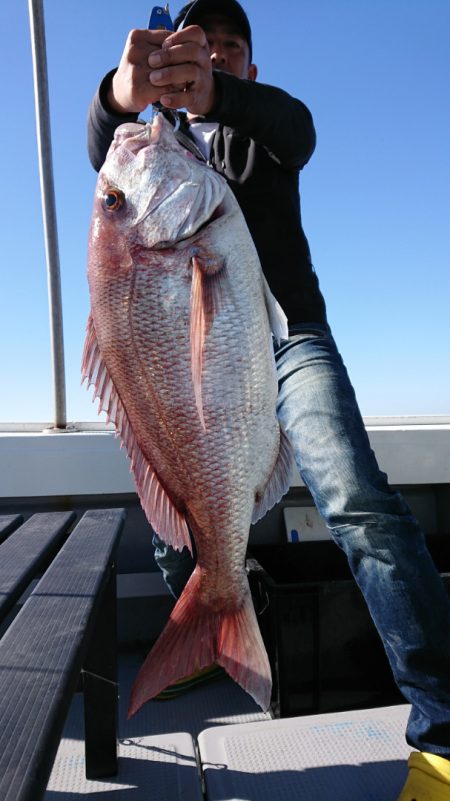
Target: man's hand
(182, 71)
(131, 90)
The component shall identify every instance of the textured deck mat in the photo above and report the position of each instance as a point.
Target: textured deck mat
(154, 763)
(155, 768)
(345, 756)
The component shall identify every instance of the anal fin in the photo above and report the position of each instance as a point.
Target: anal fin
(279, 481)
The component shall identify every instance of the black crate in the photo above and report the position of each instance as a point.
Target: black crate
(323, 647)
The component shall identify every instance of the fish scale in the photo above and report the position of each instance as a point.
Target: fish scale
(180, 335)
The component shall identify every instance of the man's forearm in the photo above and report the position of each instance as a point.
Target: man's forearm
(102, 122)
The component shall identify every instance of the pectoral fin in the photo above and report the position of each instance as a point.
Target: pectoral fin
(207, 294)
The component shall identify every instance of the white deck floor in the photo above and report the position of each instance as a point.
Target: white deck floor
(244, 755)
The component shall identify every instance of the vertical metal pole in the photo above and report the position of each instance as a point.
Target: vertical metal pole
(36, 13)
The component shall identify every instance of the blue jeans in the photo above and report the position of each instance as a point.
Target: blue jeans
(372, 524)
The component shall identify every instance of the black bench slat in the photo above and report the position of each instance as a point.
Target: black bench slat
(27, 551)
(7, 524)
(44, 649)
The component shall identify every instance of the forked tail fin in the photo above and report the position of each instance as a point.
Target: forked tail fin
(195, 637)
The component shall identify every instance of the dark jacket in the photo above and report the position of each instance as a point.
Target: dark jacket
(264, 139)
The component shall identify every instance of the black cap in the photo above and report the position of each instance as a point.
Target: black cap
(193, 12)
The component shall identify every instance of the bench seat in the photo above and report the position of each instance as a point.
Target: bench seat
(7, 525)
(66, 626)
(27, 552)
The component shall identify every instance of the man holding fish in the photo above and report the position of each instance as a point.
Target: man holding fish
(206, 67)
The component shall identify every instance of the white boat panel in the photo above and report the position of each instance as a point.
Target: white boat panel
(91, 462)
(358, 755)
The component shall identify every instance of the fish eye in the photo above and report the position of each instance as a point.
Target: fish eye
(113, 199)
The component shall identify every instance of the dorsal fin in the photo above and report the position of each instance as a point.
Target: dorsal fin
(160, 511)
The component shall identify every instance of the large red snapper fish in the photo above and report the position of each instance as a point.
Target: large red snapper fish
(179, 350)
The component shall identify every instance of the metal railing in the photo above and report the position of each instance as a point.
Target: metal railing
(40, 74)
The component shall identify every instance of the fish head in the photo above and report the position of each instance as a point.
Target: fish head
(151, 192)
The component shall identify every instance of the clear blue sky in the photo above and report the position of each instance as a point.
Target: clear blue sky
(375, 196)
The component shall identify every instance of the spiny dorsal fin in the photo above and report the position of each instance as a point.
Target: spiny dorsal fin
(161, 512)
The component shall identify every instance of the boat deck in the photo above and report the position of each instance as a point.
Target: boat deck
(214, 743)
